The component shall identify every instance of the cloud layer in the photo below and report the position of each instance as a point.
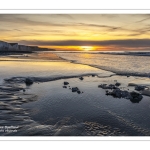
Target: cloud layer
(125, 43)
(128, 30)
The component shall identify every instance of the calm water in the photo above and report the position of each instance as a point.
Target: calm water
(45, 69)
(89, 113)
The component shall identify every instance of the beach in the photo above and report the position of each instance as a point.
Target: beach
(64, 94)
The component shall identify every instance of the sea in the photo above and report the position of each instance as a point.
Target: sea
(132, 63)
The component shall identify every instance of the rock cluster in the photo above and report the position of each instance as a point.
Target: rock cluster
(117, 93)
(73, 89)
(134, 96)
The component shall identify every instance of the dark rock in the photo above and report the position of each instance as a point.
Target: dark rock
(64, 86)
(116, 93)
(93, 75)
(75, 89)
(105, 86)
(81, 78)
(66, 83)
(117, 84)
(78, 92)
(135, 97)
(140, 88)
(107, 92)
(119, 93)
(111, 86)
(24, 90)
(128, 76)
(125, 94)
(28, 81)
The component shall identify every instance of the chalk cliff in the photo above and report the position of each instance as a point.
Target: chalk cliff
(4, 46)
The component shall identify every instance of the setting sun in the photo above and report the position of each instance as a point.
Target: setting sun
(87, 48)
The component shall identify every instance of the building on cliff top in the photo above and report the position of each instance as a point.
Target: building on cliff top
(4, 46)
(13, 46)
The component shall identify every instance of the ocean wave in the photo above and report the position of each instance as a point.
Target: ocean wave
(129, 68)
(135, 53)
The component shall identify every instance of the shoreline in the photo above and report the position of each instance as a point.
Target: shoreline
(55, 57)
(102, 68)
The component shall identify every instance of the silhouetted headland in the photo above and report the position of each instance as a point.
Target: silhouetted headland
(8, 48)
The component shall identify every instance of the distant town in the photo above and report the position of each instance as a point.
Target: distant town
(15, 47)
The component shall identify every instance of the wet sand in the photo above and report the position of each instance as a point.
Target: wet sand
(33, 56)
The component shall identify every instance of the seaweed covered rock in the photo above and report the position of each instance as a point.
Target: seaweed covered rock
(66, 83)
(78, 92)
(111, 86)
(81, 78)
(28, 81)
(75, 89)
(118, 93)
(105, 86)
(125, 94)
(139, 88)
(135, 97)
(117, 84)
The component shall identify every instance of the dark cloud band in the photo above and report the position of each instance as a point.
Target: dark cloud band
(122, 43)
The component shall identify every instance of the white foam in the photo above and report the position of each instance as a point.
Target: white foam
(129, 64)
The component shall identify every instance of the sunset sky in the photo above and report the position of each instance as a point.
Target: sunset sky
(78, 31)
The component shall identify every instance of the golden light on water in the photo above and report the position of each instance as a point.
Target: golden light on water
(87, 48)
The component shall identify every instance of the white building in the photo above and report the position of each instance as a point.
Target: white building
(22, 47)
(4, 46)
(13, 46)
